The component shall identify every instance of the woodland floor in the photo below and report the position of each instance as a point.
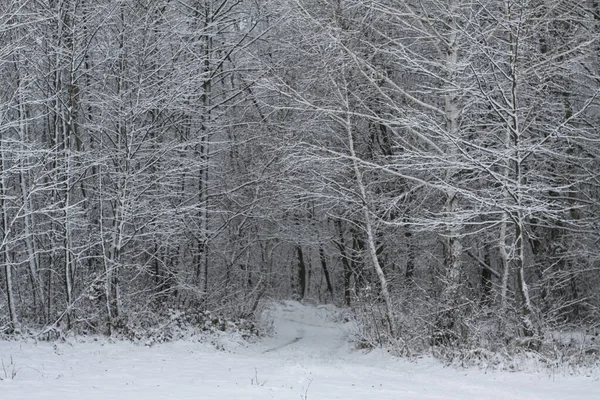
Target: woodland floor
(308, 357)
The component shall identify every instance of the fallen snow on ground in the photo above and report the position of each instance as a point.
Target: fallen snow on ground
(308, 357)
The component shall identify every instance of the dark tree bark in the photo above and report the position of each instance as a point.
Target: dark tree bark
(301, 289)
(326, 272)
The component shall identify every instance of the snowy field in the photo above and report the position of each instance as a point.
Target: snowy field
(307, 358)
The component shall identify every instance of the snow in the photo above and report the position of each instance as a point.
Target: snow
(307, 357)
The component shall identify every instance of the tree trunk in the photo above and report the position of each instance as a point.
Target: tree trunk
(12, 310)
(486, 279)
(449, 315)
(301, 274)
(326, 272)
(36, 278)
(372, 246)
(515, 142)
(410, 257)
(347, 268)
(5, 255)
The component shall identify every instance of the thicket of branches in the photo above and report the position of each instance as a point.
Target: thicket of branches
(433, 163)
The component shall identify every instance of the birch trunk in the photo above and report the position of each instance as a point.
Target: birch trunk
(369, 228)
(454, 249)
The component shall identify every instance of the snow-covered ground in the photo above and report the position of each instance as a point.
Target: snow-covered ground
(308, 357)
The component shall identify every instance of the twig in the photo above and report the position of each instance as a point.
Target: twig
(305, 397)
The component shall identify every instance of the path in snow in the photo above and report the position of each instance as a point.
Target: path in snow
(307, 331)
(307, 357)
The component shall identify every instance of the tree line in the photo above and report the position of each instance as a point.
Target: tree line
(433, 163)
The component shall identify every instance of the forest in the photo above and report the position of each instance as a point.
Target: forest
(433, 165)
